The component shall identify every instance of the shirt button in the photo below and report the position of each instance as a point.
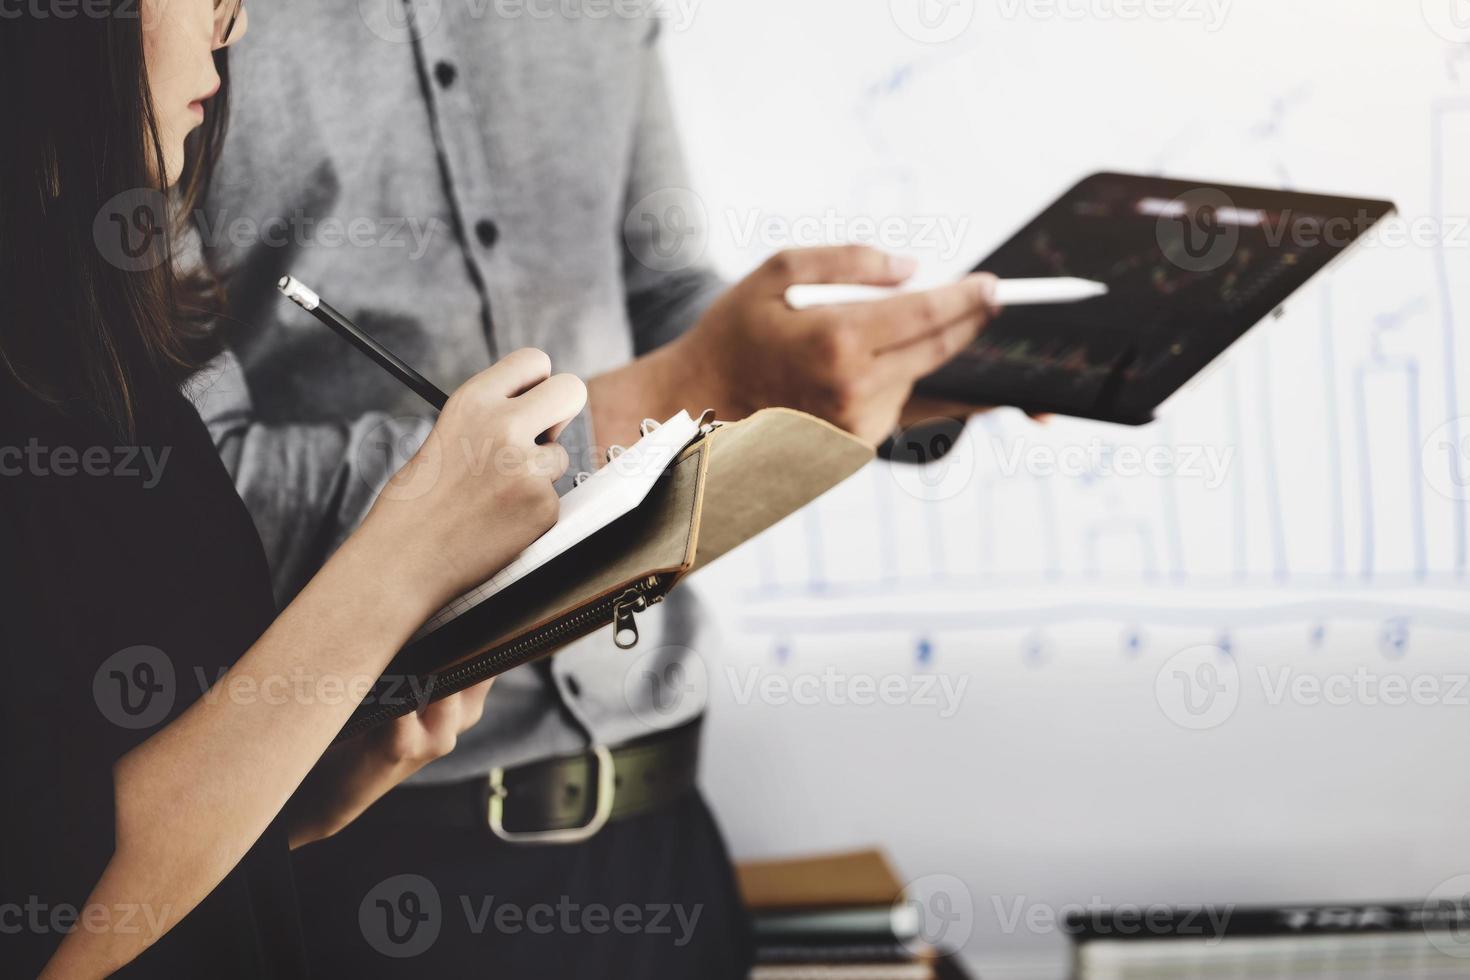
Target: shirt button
(487, 232)
(445, 73)
(574, 688)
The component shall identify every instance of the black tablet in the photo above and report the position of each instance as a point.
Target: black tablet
(1191, 266)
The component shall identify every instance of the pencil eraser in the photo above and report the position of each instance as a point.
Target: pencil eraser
(298, 293)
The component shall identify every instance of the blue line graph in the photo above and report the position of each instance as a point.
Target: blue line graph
(1440, 172)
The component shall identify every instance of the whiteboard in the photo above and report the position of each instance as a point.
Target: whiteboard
(1039, 684)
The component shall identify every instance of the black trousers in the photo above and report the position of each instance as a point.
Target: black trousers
(651, 896)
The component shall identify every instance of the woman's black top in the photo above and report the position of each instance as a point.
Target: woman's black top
(132, 577)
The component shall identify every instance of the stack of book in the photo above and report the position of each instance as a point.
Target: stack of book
(1402, 941)
(837, 917)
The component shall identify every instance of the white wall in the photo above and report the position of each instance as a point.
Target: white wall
(1066, 612)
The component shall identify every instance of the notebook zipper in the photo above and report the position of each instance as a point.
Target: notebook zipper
(621, 607)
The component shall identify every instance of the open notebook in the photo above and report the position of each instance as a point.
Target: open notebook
(591, 505)
(686, 494)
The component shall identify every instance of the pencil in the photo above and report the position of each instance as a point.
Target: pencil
(300, 294)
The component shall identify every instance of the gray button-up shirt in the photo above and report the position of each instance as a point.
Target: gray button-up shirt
(457, 176)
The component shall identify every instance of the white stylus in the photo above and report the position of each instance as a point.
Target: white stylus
(1008, 292)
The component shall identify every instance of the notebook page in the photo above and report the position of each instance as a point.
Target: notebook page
(615, 490)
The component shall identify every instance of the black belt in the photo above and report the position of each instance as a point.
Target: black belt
(555, 801)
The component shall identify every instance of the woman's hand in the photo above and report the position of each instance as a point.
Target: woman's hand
(481, 487)
(353, 775)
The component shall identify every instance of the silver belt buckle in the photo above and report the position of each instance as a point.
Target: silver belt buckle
(606, 788)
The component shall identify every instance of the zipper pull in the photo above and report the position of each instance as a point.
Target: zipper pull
(625, 626)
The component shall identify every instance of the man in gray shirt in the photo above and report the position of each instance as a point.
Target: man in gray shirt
(464, 178)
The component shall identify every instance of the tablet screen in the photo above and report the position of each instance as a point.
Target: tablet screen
(1190, 267)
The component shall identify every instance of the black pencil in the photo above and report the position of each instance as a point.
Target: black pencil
(304, 297)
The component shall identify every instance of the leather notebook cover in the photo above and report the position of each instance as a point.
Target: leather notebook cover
(729, 485)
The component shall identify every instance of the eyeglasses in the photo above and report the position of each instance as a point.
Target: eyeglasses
(226, 16)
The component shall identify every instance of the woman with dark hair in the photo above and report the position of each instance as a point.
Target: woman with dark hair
(165, 732)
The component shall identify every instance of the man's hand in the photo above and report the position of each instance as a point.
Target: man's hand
(854, 364)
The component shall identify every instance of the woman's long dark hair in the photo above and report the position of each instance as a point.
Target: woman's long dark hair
(93, 310)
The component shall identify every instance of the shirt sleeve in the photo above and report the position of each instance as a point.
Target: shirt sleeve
(307, 486)
(669, 284)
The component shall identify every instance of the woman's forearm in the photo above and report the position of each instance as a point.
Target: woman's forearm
(193, 798)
